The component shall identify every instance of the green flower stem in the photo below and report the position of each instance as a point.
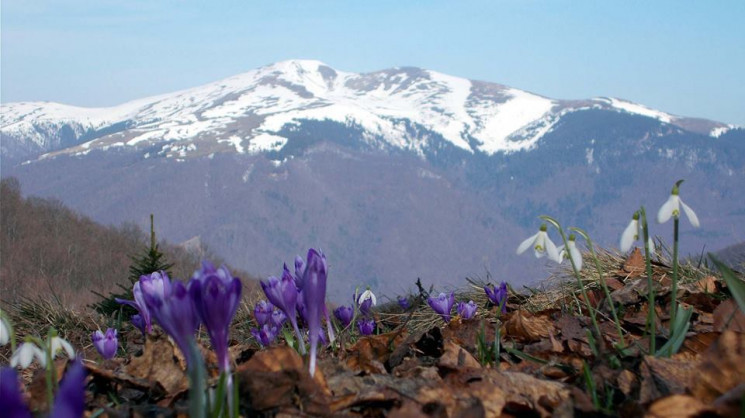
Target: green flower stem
(650, 283)
(674, 294)
(577, 275)
(601, 279)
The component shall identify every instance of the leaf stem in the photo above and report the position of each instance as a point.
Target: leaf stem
(650, 283)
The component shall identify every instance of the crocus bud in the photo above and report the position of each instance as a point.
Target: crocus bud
(403, 302)
(366, 326)
(466, 310)
(263, 312)
(106, 344)
(278, 318)
(344, 314)
(265, 335)
(70, 398)
(175, 313)
(11, 398)
(314, 295)
(498, 295)
(442, 304)
(216, 294)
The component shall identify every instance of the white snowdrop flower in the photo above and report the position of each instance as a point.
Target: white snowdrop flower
(575, 253)
(25, 354)
(671, 208)
(59, 344)
(4, 332)
(367, 294)
(632, 233)
(542, 245)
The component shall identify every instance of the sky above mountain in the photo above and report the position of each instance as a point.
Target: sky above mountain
(682, 57)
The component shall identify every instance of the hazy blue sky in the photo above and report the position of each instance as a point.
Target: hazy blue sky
(684, 57)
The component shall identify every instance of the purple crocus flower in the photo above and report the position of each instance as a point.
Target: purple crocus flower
(466, 310)
(299, 270)
(366, 326)
(263, 312)
(344, 314)
(70, 399)
(138, 323)
(278, 318)
(175, 313)
(283, 294)
(265, 335)
(216, 294)
(139, 304)
(442, 304)
(314, 292)
(403, 302)
(11, 400)
(106, 344)
(498, 295)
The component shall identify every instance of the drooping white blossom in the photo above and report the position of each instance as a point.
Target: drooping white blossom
(542, 245)
(25, 354)
(671, 208)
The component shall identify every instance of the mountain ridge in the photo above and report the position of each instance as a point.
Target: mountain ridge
(244, 113)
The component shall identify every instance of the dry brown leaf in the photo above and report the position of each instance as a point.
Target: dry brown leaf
(277, 378)
(664, 376)
(524, 327)
(676, 406)
(455, 357)
(721, 369)
(157, 365)
(707, 285)
(729, 316)
(699, 343)
(369, 354)
(634, 264)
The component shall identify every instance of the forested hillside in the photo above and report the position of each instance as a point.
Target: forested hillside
(50, 251)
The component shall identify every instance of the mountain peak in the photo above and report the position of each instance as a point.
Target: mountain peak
(406, 108)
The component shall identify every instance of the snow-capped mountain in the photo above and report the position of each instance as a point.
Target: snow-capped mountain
(399, 108)
(395, 174)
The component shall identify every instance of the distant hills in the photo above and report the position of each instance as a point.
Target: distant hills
(395, 174)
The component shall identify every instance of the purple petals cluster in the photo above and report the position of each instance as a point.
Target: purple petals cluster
(70, 398)
(174, 312)
(442, 304)
(144, 321)
(11, 400)
(265, 335)
(139, 323)
(344, 314)
(283, 294)
(263, 312)
(403, 302)
(216, 294)
(498, 295)
(278, 318)
(314, 295)
(466, 310)
(366, 326)
(106, 344)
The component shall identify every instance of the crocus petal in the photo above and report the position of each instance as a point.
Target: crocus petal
(527, 244)
(667, 209)
(314, 293)
(629, 235)
(690, 214)
(70, 398)
(11, 399)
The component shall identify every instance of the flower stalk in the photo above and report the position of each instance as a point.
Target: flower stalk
(593, 317)
(650, 283)
(604, 285)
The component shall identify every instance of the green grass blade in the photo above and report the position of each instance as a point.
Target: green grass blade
(735, 285)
